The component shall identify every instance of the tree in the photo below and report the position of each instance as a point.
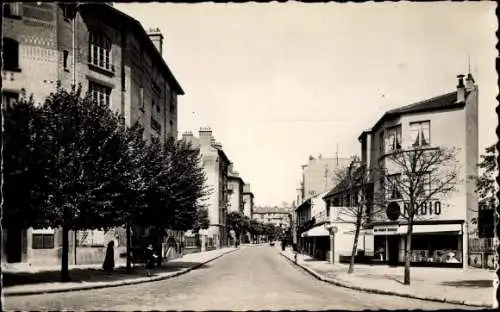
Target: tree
(80, 140)
(418, 176)
(485, 183)
(238, 222)
(356, 185)
(201, 220)
(20, 165)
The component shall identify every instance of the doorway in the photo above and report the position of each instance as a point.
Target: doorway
(393, 249)
(14, 245)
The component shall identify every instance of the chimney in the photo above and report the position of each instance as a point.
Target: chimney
(217, 145)
(157, 38)
(187, 136)
(469, 82)
(205, 135)
(460, 89)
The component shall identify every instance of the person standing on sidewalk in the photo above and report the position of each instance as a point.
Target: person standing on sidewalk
(109, 259)
(150, 259)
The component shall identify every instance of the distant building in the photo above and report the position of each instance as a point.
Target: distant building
(216, 165)
(248, 202)
(235, 188)
(279, 216)
(319, 175)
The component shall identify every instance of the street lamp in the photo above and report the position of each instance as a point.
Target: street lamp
(332, 229)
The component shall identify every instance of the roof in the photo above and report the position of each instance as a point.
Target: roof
(234, 177)
(343, 185)
(248, 193)
(122, 18)
(305, 203)
(441, 102)
(279, 210)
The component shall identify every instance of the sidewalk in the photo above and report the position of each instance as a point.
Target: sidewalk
(472, 287)
(46, 280)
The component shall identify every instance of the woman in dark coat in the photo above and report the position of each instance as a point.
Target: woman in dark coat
(150, 258)
(109, 260)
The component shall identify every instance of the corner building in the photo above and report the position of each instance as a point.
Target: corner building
(111, 56)
(449, 120)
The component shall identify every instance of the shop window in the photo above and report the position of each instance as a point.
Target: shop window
(99, 93)
(43, 241)
(12, 9)
(10, 54)
(393, 139)
(420, 133)
(100, 51)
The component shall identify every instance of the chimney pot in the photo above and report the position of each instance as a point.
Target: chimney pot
(156, 37)
(460, 89)
(469, 82)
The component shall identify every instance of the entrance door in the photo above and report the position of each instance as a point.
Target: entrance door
(14, 245)
(393, 248)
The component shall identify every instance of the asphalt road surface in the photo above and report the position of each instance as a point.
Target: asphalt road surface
(253, 278)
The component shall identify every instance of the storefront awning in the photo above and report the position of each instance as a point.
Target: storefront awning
(417, 229)
(316, 231)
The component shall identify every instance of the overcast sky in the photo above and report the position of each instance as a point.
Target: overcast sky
(280, 82)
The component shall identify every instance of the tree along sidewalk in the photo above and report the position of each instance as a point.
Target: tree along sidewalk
(460, 286)
(87, 278)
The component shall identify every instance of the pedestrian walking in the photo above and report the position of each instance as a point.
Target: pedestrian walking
(150, 259)
(109, 259)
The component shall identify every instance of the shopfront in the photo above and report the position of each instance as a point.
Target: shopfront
(433, 244)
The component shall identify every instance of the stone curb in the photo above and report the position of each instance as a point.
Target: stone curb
(385, 292)
(112, 284)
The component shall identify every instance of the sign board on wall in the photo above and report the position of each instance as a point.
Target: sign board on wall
(435, 209)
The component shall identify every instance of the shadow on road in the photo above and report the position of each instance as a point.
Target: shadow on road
(93, 275)
(470, 283)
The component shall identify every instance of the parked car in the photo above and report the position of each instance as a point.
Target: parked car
(271, 243)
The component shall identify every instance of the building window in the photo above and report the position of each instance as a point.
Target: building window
(393, 139)
(381, 141)
(420, 133)
(155, 125)
(392, 187)
(65, 59)
(99, 93)
(9, 98)
(423, 187)
(12, 9)
(100, 51)
(67, 10)
(43, 241)
(10, 54)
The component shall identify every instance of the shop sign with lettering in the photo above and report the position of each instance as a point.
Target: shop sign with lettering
(430, 208)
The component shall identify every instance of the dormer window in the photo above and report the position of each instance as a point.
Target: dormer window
(12, 9)
(100, 51)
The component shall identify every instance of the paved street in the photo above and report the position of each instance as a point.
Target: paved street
(255, 277)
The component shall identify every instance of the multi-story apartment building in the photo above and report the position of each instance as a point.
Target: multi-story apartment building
(113, 58)
(248, 202)
(216, 165)
(235, 187)
(319, 175)
(449, 120)
(279, 216)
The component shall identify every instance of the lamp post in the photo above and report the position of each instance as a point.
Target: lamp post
(332, 230)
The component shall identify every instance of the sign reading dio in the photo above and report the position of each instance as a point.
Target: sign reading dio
(429, 208)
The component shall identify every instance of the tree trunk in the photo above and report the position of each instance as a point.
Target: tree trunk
(65, 255)
(408, 253)
(129, 248)
(355, 244)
